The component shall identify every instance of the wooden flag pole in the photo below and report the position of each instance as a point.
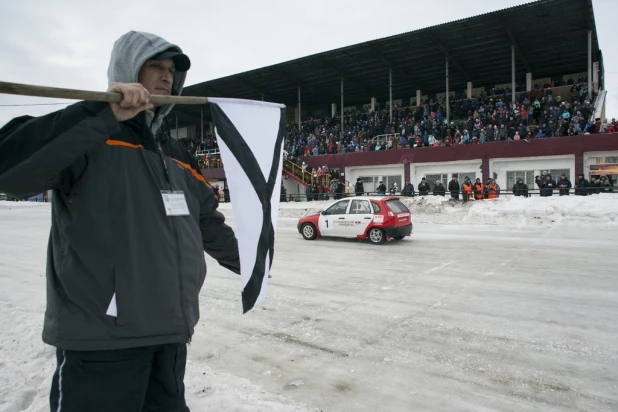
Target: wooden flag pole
(58, 93)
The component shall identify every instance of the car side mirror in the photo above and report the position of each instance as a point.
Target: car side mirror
(323, 213)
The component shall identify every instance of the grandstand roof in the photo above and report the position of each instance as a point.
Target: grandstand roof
(550, 36)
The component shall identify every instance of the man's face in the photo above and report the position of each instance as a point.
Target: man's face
(157, 76)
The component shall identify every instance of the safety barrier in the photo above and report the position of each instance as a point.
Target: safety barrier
(335, 196)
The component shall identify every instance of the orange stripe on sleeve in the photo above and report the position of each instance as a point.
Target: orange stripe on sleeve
(121, 143)
(193, 171)
(185, 165)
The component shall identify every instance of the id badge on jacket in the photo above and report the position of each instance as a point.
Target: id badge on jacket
(175, 203)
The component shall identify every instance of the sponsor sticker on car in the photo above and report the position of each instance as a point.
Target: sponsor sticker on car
(378, 219)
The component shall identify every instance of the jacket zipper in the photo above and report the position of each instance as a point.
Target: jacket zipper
(178, 257)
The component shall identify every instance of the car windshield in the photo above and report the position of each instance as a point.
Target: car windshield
(396, 206)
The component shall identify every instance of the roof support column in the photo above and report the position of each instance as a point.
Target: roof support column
(341, 111)
(513, 74)
(299, 115)
(333, 110)
(589, 64)
(595, 76)
(469, 90)
(202, 121)
(390, 97)
(373, 104)
(448, 105)
(418, 97)
(528, 81)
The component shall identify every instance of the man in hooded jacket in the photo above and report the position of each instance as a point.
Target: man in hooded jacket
(581, 186)
(131, 218)
(520, 188)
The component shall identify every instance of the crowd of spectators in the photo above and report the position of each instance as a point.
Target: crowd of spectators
(484, 118)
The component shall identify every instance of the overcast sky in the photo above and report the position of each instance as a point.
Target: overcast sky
(67, 43)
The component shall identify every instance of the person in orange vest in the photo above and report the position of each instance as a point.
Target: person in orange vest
(479, 190)
(466, 189)
(494, 189)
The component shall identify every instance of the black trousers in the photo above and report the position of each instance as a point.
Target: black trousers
(127, 380)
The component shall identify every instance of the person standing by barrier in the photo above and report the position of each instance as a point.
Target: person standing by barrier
(438, 189)
(564, 185)
(520, 188)
(479, 190)
(466, 190)
(493, 190)
(453, 187)
(423, 187)
(581, 186)
(547, 186)
(359, 189)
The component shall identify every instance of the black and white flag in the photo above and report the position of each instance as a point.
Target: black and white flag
(250, 137)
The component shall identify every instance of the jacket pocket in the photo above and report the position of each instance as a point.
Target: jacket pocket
(148, 302)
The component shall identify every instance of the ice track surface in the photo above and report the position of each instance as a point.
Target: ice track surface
(516, 315)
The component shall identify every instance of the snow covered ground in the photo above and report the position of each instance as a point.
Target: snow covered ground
(506, 305)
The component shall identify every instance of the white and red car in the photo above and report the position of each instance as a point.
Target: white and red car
(379, 219)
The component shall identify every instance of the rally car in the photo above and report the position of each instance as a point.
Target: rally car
(378, 219)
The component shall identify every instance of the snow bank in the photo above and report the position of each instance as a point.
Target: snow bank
(595, 210)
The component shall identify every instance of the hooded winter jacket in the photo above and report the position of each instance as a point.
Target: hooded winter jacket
(520, 189)
(120, 272)
(581, 188)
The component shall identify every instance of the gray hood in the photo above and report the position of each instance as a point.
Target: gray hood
(129, 54)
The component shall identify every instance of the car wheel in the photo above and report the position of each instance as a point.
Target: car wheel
(376, 236)
(308, 231)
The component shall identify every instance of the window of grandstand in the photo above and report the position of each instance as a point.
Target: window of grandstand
(527, 175)
(370, 183)
(390, 181)
(433, 178)
(462, 175)
(557, 172)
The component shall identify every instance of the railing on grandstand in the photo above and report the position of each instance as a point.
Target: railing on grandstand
(214, 163)
(208, 152)
(308, 179)
(209, 159)
(384, 138)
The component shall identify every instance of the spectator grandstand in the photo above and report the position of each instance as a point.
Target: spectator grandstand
(432, 90)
